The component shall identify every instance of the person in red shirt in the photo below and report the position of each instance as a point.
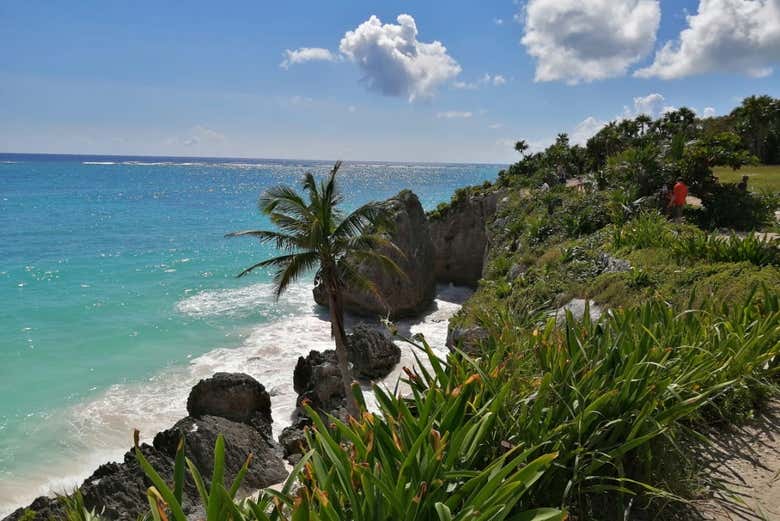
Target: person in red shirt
(677, 201)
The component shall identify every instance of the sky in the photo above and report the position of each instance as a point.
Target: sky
(439, 81)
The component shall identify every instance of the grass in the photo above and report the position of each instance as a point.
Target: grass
(761, 177)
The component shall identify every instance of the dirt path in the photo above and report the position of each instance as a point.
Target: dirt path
(747, 461)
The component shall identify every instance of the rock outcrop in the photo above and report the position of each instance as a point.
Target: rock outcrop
(241, 439)
(235, 396)
(317, 379)
(401, 296)
(372, 353)
(460, 238)
(467, 339)
(234, 405)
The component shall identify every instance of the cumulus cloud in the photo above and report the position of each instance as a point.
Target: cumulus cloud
(454, 114)
(576, 41)
(708, 112)
(306, 54)
(586, 129)
(394, 62)
(652, 105)
(741, 36)
(197, 135)
(498, 21)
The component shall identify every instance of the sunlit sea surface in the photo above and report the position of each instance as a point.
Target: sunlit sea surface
(118, 293)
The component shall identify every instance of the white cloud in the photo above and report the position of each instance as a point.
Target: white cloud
(352, 108)
(394, 62)
(651, 105)
(495, 125)
(498, 21)
(454, 114)
(709, 112)
(741, 36)
(586, 129)
(576, 40)
(306, 54)
(487, 79)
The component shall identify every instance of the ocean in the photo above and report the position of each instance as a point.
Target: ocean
(118, 293)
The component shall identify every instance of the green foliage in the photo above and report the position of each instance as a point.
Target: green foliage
(648, 230)
(726, 206)
(757, 121)
(428, 457)
(761, 251)
(605, 390)
(75, 510)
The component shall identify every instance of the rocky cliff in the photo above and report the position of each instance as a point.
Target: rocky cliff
(459, 236)
(401, 296)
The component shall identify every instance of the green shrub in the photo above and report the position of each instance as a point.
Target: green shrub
(751, 248)
(728, 207)
(605, 390)
(648, 230)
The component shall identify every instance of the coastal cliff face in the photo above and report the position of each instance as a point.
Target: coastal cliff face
(460, 239)
(401, 296)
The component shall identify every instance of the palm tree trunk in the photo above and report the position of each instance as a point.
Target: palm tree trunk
(340, 336)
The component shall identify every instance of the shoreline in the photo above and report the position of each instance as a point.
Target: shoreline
(115, 414)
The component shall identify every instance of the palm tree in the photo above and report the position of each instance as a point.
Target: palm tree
(313, 233)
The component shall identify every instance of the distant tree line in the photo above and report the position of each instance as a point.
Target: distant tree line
(640, 155)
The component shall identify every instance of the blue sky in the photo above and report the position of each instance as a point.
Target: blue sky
(206, 79)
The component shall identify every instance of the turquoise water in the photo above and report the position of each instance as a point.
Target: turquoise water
(117, 290)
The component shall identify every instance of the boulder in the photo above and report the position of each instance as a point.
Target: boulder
(467, 339)
(293, 440)
(459, 237)
(401, 296)
(577, 308)
(234, 405)
(610, 264)
(234, 396)
(200, 435)
(317, 379)
(372, 353)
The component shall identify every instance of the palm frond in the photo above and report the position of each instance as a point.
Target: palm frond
(283, 199)
(371, 241)
(351, 277)
(282, 241)
(280, 261)
(383, 261)
(368, 218)
(290, 269)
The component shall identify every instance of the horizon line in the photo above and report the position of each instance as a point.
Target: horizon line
(233, 158)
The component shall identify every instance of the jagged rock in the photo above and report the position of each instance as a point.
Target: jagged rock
(612, 264)
(117, 490)
(293, 440)
(241, 439)
(401, 296)
(467, 339)
(235, 396)
(577, 308)
(317, 379)
(42, 508)
(372, 353)
(460, 239)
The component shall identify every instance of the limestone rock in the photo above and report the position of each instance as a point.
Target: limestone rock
(460, 239)
(401, 296)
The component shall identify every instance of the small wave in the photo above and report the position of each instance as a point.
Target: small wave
(98, 163)
(244, 301)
